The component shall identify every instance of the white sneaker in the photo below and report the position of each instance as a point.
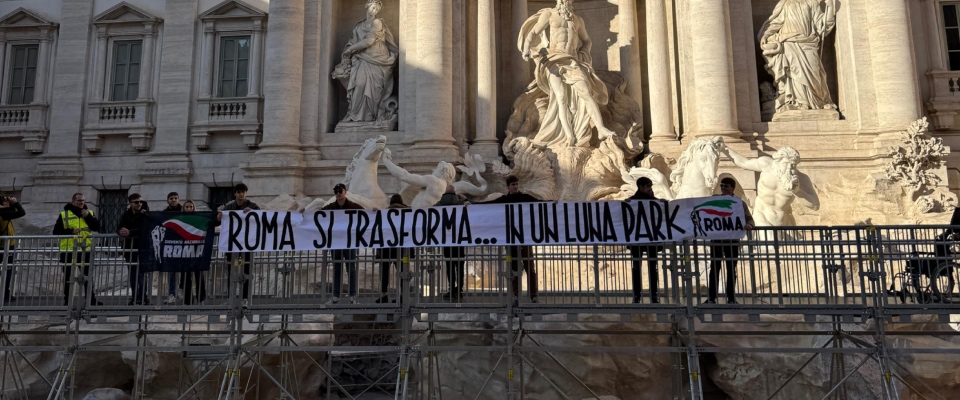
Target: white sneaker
(333, 300)
(351, 300)
(171, 299)
(246, 303)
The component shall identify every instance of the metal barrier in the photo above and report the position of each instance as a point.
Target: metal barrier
(777, 268)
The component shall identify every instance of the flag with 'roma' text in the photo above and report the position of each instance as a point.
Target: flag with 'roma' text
(177, 242)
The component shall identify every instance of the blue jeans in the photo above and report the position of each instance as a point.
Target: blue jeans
(341, 257)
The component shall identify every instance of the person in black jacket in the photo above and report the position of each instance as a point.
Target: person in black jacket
(520, 255)
(173, 205)
(455, 255)
(239, 203)
(77, 221)
(10, 210)
(131, 224)
(644, 192)
(343, 258)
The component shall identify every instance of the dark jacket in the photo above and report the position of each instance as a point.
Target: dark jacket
(449, 199)
(178, 207)
(642, 196)
(7, 215)
(518, 197)
(233, 206)
(91, 220)
(347, 205)
(134, 223)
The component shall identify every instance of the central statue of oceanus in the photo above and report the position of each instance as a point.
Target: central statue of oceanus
(557, 41)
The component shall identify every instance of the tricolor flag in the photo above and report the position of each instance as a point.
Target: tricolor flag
(719, 208)
(178, 242)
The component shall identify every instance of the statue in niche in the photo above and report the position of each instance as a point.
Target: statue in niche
(557, 41)
(778, 186)
(792, 43)
(367, 73)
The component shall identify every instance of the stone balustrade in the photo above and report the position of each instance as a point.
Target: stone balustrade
(27, 122)
(242, 115)
(131, 119)
(944, 104)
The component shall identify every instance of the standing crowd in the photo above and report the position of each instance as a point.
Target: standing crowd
(76, 223)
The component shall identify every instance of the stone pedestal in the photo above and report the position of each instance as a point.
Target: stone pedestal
(806, 115)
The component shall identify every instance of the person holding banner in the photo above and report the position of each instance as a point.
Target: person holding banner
(726, 252)
(131, 223)
(10, 210)
(389, 256)
(240, 202)
(79, 222)
(644, 192)
(341, 257)
(519, 255)
(196, 276)
(453, 254)
(173, 205)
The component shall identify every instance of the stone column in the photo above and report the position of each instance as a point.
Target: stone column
(310, 100)
(895, 82)
(146, 61)
(284, 73)
(328, 100)
(168, 167)
(3, 61)
(519, 69)
(206, 71)
(59, 173)
(658, 72)
(934, 44)
(256, 57)
(278, 166)
(99, 63)
(713, 89)
(434, 140)
(486, 143)
(40, 82)
(630, 50)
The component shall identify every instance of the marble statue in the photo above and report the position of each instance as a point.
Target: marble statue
(473, 166)
(695, 174)
(792, 42)
(421, 190)
(557, 41)
(914, 163)
(778, 186)
(367, 72)
(361, 179)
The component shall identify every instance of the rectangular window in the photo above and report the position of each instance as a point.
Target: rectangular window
(126, 70)
(219, 196)
(951, 26)
(234, 63)
(110, 207)
(23, 73)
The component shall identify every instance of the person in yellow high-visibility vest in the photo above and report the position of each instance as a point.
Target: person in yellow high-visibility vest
(76, 220)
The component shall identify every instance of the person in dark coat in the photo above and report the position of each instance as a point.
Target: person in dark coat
(240, 203)
(644, 192)
(341, 257)
(454, 255)
(520, 255)
(131, 225)
(10, 209)
(388, 257)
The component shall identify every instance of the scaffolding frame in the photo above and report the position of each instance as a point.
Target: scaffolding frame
(810, 276)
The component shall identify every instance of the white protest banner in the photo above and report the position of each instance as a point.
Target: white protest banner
(545, 223)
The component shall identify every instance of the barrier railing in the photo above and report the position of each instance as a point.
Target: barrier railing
(902, 268)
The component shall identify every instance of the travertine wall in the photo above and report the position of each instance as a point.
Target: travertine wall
(877, 63)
